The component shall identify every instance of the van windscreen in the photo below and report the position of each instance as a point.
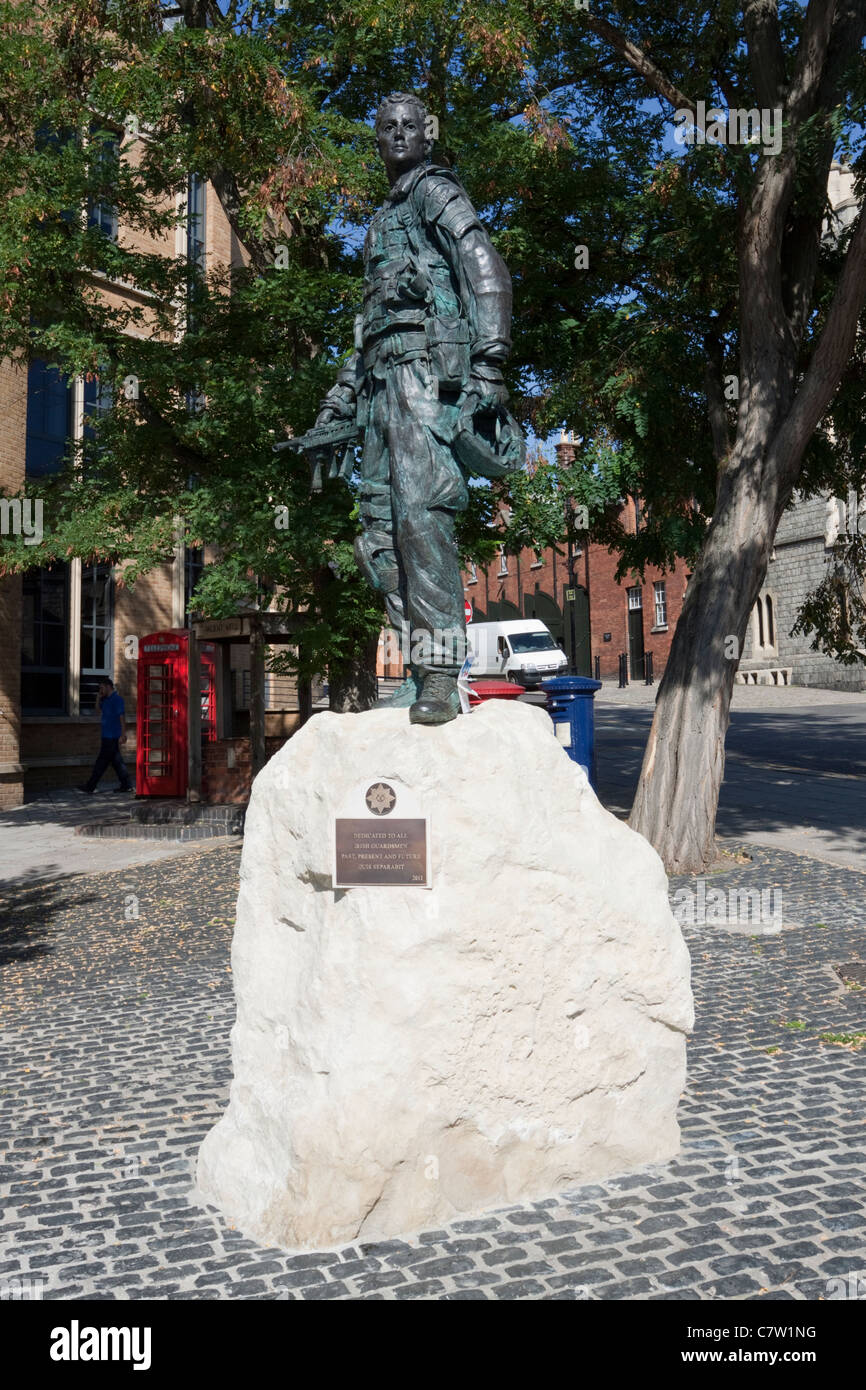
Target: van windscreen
(531, 642)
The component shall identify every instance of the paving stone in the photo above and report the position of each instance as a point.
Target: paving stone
(477, 1278)
(522, 1288)
(384, 1278)
(129, 1058)
(623, 1289)
(734, 1286)
(629, 1267)
(447, 1264)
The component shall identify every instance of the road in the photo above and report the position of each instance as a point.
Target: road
(795, 768)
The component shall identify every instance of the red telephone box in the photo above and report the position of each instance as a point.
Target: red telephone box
(162, 756)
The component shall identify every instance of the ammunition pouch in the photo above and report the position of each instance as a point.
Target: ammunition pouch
(374, 553)
(448, 351)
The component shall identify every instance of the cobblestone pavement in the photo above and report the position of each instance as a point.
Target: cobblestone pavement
(117, 1006)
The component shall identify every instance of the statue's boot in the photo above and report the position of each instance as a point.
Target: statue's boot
(407, 692)
(439, 702)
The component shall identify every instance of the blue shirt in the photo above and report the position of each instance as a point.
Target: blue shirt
(112, 713)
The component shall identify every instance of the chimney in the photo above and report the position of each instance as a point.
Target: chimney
(565, 448)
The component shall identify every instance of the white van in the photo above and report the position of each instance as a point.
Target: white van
(520, 650)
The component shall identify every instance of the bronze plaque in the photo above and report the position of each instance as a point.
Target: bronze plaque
(380, 852)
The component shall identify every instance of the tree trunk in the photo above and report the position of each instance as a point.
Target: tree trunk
(684, 762)
(257, 698)
(354, 687)
(781, 404)
(305, 700)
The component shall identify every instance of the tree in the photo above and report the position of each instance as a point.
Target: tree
(243, 96)
(808, 64)
(185, 449)
(677, 308)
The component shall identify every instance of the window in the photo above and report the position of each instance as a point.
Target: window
(195, 231)
(98, 400)
(660, 599)
(104, 167)
(193, 567)
(473, 574)
(503, 562)
(523, 642)
(49, 419)
(195, 211)
(764, 629)
(539, 560)
(97, 612)
(635, 597)
(44, 637)
(53, 143)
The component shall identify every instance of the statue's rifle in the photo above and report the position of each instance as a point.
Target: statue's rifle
(322, 443)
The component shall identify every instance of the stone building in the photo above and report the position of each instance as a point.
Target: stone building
(797, 565)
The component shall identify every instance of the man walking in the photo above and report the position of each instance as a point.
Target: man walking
(111, 707)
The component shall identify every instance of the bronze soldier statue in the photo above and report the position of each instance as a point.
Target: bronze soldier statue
(425, 386)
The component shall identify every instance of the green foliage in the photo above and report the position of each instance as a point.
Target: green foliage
(559, 146)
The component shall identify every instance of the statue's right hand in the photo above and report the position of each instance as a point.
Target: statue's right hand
(326, 417)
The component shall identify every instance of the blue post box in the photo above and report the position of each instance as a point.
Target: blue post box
(570, 706)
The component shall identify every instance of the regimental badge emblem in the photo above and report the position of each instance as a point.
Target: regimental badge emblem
(381, 799)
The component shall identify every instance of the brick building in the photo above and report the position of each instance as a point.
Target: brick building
(66, 626)
(595, 615)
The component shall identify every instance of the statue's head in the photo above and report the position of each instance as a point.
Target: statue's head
(401, 132)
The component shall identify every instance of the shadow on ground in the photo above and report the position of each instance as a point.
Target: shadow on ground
(785, 770)
(29, 907)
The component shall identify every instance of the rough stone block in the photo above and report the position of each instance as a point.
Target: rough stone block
(404, 1056)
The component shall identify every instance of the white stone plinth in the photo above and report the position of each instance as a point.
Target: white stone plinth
(404, 1056)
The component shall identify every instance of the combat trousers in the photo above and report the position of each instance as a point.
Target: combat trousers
(411, 491)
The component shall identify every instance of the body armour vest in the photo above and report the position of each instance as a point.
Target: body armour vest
(407, 280)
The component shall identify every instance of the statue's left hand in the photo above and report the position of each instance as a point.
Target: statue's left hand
(487, 386)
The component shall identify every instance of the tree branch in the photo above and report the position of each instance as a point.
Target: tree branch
(766, 53)
(718, 415)
(827, 365)
(811, 57)
(189, 458)
(801, 247)
(641, 64)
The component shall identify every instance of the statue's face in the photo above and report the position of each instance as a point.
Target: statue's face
(402, 141)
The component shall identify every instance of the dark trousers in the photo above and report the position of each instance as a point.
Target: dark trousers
(109, 756)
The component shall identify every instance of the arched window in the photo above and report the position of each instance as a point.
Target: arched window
(759, 608)
(771, 626)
